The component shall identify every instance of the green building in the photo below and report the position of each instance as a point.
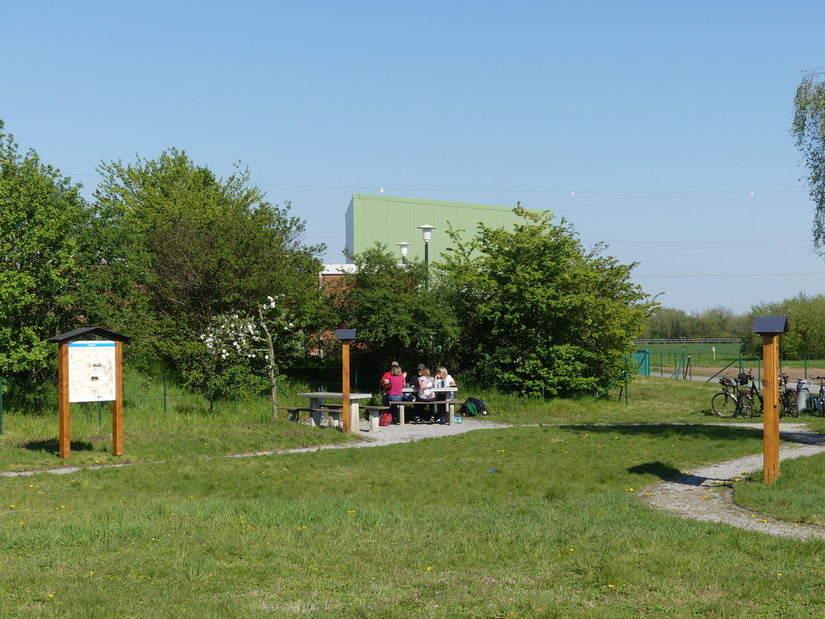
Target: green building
(390, 221)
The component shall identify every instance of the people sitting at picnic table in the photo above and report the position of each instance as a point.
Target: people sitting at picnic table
(443, 379)
(425, 392)
(396, 390)
(385, 382)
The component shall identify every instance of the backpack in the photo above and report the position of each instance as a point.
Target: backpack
(426, 389)
(473, 407)
(385, 419)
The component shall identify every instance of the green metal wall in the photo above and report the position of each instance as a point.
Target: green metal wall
(390, 220)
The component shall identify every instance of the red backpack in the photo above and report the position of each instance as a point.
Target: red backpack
(385, 419)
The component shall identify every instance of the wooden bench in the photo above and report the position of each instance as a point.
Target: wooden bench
(375, 411)
(332, 411)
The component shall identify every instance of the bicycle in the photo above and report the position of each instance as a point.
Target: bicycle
(756, 396)
(732, 401)
(817, 405)
(787, 397)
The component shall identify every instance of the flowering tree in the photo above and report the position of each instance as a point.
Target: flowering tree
(271, 337)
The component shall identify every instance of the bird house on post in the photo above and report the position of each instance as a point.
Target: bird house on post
(346, 336)
(770, 328)
(89, 370)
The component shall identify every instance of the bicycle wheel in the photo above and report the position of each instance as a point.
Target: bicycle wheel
(758, 404)
(746, 405)
(724, 404)
(787, 404)
(817, 406)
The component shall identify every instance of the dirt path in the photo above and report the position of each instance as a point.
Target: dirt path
(705, 494)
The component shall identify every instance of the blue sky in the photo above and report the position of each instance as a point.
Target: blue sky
(659, 128)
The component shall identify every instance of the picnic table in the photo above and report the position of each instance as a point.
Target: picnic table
(438, 401)
(315, 398)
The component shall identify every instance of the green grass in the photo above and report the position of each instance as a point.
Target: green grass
(524, 521)
(797, 495)
(651, 399)
(188, 429)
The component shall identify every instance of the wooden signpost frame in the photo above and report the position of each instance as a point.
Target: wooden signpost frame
(63, 409)
(770, 327)
(346, 336)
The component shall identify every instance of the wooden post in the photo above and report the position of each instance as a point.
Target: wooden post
(345, 384)
(64, 421)
(770, 436)
(117, 405)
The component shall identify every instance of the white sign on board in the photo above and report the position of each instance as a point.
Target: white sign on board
(92, 371)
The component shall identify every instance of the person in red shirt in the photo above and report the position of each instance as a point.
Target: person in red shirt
(385, 382)
(396, 390)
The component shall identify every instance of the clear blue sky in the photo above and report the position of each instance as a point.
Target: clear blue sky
(659, 128)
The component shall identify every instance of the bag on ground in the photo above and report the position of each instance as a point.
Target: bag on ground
(473, 407)
(385, 419)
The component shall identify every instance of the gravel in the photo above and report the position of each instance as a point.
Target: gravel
(704, 493)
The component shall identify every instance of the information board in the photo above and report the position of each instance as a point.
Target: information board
(92, 371)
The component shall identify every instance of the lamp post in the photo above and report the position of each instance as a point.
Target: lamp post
(427, 232)
(403, 246)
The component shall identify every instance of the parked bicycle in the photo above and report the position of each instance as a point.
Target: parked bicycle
(756, 396)
(733, 399)
(787, 397)
(816, 405)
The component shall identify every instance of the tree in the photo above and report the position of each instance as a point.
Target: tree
(667, 323)
(193, 247)
(395, 316)
(538, 313)
(41, 212)
(805, 338)
(270, 339)
(809, 129)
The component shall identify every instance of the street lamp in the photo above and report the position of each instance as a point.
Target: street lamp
(427, 232)
(403, 246)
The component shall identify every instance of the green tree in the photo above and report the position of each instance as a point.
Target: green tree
(41, 212)
(667, 323)
(267, 342)
(190, 247)
(394, 315)
(806, 327)
(539, 313)
(716, 322)
(809, 130)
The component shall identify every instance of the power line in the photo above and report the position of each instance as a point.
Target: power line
(722, 275)
(572, 193)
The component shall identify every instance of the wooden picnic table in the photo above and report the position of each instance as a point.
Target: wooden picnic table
(315, 398)
(445, 390)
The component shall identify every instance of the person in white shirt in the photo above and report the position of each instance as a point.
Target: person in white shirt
(443, 379)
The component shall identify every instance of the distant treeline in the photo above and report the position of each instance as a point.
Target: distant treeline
(805, 337)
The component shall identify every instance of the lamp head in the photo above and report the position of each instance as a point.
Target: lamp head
(427, 231)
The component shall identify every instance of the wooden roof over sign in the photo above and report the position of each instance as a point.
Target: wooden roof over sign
(87, 331)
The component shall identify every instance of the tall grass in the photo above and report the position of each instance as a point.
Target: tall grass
(189, 427)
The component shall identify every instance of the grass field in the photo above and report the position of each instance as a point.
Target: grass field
(525, 521)
(665, 358)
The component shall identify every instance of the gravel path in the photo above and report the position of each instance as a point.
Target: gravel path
(705, 494)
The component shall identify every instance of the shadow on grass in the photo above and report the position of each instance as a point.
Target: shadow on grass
(51, 445)
(668, 473)
(715, 432)
(712, 431)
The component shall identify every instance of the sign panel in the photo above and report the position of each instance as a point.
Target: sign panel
(92, 371)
